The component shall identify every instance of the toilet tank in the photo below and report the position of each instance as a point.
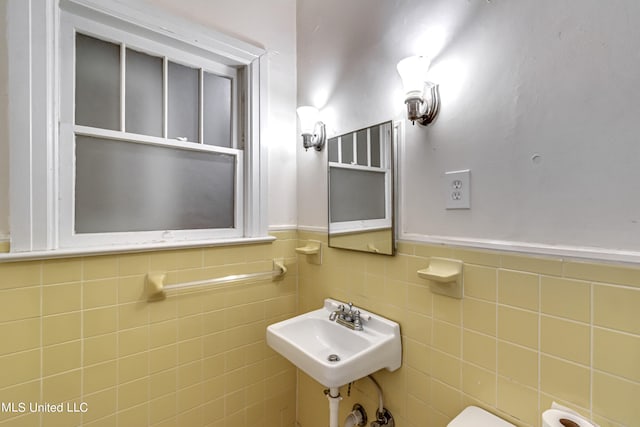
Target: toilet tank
(472, 416)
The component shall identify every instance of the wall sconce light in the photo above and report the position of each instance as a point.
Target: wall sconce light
(313, 130)
(421, 96)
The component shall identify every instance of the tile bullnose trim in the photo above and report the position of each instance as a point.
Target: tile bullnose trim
(563, 251)
(116, 249)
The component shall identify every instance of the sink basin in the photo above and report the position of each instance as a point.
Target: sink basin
(310, 340)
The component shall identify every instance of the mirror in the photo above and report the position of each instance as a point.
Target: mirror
(361, 184)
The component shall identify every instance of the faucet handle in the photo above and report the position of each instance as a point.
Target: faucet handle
(357, 322)
(350, 306)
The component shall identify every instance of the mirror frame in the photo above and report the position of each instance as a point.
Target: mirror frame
(393, 171)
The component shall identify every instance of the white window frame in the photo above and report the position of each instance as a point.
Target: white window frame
(72, 24)
(41, 162)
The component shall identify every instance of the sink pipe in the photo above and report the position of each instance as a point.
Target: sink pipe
(333, 394)
(383, 416)
(357, 417)
(379, 390)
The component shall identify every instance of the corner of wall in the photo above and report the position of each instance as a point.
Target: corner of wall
(4, 127)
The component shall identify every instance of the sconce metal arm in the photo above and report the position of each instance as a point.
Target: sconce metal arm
(317, 139)
(424, 109)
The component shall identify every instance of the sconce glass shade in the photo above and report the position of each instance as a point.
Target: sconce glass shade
(413, 71)
(311, 128)
(421, 96)
(308, 116)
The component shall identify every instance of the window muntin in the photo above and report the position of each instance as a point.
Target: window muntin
(162, 97)
(198, 118)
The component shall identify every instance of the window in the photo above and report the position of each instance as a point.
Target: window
(159, 132)
(153, 135)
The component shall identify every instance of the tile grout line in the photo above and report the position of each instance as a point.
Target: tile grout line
(40, 416)
(497, 322)
(591, 348)
(539, 349)
(82, 274)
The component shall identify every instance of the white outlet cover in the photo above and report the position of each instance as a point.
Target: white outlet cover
(458, 189)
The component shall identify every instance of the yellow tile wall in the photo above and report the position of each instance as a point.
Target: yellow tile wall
(530, 330)
(80, 330)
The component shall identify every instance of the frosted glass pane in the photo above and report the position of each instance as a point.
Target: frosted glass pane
(347, 148)
(332, 145)
(143, 103)
(184, 102)
(97, 83)
(362, 147)
(375, 146)
(356, 195)
(123, 186)
(217, 110)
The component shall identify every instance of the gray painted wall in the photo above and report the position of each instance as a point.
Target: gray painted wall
(540, 99)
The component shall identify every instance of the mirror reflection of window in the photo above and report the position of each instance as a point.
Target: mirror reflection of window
(361, 189)
(360, 196)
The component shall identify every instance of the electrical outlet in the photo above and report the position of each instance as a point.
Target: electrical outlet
(458, 189)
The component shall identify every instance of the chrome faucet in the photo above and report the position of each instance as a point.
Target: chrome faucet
(347, 316)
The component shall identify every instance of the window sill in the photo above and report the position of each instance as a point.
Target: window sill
(121, 249)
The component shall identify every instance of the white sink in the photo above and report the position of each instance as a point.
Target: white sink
(308, 340)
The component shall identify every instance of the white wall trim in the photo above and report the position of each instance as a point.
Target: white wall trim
(525, 248)
(256, 174)
(33, 123)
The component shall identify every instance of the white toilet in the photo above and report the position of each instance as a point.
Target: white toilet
(472, 416)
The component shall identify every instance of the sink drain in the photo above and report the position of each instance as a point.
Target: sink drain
(333, 358)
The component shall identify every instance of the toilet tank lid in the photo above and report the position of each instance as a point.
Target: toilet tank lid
(472, 416)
